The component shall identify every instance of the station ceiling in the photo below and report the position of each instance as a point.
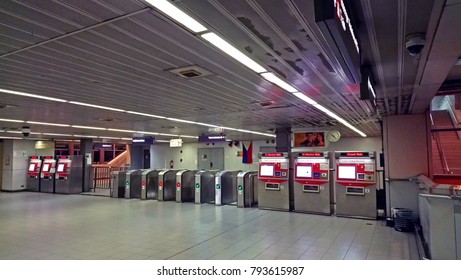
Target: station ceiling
(121, 53)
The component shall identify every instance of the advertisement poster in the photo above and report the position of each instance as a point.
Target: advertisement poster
(309, 139)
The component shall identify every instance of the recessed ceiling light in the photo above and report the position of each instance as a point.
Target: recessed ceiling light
(96, 106)
(51, 124)
(221, 44)
(271, 77)
(175, 13)
(31, 95)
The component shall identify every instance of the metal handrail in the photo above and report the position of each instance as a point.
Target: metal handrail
(451, 111)
(439, 147)
(436, 195)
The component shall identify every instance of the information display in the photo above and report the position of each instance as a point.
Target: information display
(60, 167)
(267, 170)
(32, 167)
(346, 172)
(304, 171)
(46, 167)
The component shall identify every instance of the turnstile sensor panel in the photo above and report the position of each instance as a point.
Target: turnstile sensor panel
(355, 190)
(311, 189)
(272, 186)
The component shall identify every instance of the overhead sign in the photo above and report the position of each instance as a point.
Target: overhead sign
(142, 140)
(176, 142)
(211, 138)
(102, 146)
(309, 139)
(335, 23)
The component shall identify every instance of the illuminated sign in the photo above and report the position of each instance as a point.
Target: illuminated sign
(310, 154)
(355, 154)
(272, 155)
(176, 142)
(211, 138)
(142, 140)
(102, 146)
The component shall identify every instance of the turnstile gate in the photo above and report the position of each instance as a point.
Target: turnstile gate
(185, 185)
(118, 184)
(167, 185)
(133, 183)
(149, 184)
(247, 189)
(226, 189)
(205, 187)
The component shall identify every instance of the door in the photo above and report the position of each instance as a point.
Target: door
(146, 159)
(211, 158)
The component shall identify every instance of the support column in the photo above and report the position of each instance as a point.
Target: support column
(283, 139)
(86, 150)
(136, 154)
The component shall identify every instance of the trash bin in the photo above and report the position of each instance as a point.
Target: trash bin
(403, 219)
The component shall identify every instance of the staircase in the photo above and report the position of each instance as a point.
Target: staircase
(446, 145)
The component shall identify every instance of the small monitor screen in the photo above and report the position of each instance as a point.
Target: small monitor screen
(32, 167)
(346, 172)
(46, 167)
(266, 170)
(60, 167)
(304, 171)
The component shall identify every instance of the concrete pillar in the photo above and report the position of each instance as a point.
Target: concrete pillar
(136, 154)
(283, 139)
(15, 162)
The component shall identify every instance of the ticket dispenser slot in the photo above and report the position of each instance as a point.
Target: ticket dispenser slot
(272, 187)
(355, 191)
(311, 183)
(311, 189)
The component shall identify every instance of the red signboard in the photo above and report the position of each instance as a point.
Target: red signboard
(310, 154)
(272, 154)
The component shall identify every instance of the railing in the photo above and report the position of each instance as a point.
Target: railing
(435, 135)
(449, 106)
(102, 176)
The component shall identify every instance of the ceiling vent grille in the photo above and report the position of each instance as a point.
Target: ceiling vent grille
(191, 72)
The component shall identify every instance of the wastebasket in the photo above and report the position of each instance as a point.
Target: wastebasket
(403, 219)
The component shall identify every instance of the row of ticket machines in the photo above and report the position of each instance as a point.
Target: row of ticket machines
(304, 183)
(61, 174)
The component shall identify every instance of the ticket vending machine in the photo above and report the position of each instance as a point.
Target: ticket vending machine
(226, 187)
(273, 181)
(69, 174)
(33, 174)
(204, 186)
(247, 189)
(47, 174)
(167, 185)
(185, 186)
(133, 183)
(311, 186)
(356, 184)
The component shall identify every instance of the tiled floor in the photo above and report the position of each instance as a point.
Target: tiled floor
(46, 226)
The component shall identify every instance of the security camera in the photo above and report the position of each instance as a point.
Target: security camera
(414, 43)
(25, 131)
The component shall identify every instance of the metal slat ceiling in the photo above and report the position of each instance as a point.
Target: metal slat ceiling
(121, 61)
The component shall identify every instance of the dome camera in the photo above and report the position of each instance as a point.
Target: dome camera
(25, 131)
(414, 43)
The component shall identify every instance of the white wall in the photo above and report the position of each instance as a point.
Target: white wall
(161, 154)
(16, 153)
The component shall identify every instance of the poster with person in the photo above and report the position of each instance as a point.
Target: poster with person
(309, 139)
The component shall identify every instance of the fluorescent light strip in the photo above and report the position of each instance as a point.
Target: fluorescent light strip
(8, 137)
(188, 136)
(147, 132)
(85, 136)
(305, 98)
(56, 134)
(10, 120)
(166, 134)
(162, 141)
(175, 13)
(109, 137)
(341, 120)
(96, 106)
(180, 120)
(89, 127)
(51, 124)
(271, 77)
(31, 95)
(126, 138)
(232, 51)
(20, 132)
(121, 130)
(146, 115)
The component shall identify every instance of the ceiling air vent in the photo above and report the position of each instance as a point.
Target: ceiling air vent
(190, 72)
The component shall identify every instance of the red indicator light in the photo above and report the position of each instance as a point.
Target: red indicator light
(178, 185)
(160, 184)
(143, 184)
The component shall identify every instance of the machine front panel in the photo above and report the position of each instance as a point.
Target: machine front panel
(273, 184)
